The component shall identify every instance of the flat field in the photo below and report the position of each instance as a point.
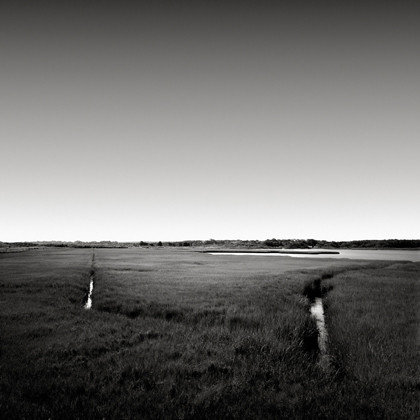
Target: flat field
(174, 333)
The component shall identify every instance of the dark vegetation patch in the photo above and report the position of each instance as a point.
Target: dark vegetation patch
(187, 315)
(316, 288)
(308, 338)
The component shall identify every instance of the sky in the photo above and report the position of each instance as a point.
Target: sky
(177, 120)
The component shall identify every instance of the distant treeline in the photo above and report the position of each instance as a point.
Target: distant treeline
(249, 244)
(368, 243)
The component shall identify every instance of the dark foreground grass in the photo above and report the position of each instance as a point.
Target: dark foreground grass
(175, 334)
(373, 321)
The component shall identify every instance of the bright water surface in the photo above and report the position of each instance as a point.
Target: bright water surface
(354, 254)
(317, 312)
(88, 304)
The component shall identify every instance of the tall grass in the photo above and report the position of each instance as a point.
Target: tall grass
(185, 335)
(372, 318)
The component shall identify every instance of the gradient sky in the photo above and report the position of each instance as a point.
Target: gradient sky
(229, 122)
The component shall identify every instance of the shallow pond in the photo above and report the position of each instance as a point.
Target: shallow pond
(354, 254)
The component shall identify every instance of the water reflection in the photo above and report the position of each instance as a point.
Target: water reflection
(317, 312)
(354, 254)
(88, 303)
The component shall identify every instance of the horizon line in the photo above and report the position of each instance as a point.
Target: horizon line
(210, 239)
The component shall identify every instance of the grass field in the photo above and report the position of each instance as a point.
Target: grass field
(174, 333)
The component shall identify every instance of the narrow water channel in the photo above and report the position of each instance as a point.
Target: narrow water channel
(317, 313)
(88, 303)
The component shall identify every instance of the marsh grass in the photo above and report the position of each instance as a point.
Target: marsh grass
(175, 334)
(372, 318)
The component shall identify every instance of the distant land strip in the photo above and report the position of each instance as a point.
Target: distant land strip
(312, 245)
